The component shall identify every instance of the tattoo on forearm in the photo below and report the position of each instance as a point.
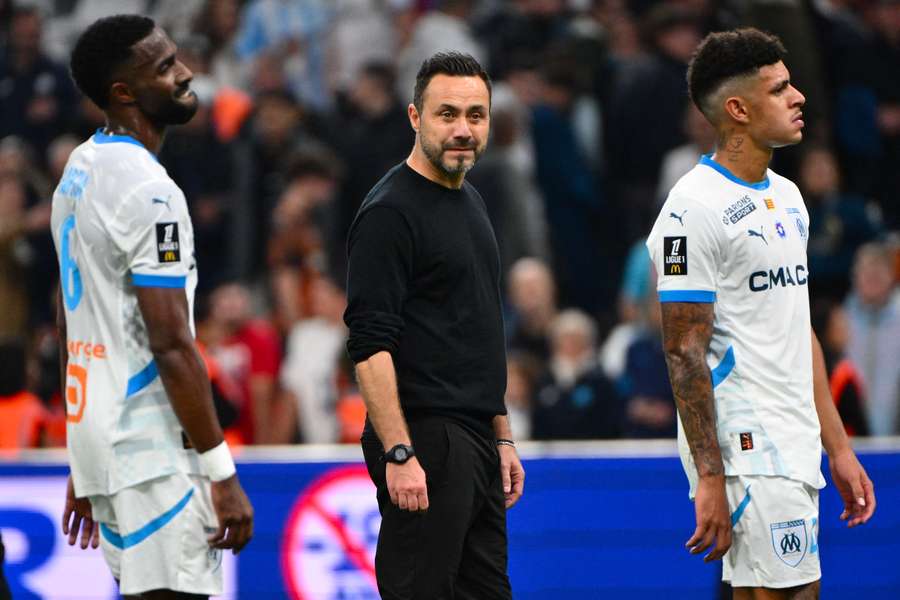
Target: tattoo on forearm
(687, 329)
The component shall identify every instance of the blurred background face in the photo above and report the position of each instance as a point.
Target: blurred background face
(873, 280)
(455, 122)
(571, 345)
(819, 173)
(230, 305)
(25, 33)
(837, 335)
(531, 288)
(12, 197)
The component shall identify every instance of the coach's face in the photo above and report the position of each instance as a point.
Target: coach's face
(454, 123)
(160, 82)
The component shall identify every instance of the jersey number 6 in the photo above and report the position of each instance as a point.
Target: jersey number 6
(69, 275)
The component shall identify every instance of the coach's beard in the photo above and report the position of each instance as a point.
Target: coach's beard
(461, 165)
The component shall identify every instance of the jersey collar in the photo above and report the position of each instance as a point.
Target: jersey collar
(707, 160)
(104, 138)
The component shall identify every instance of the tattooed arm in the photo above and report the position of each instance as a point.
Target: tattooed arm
(687, 329)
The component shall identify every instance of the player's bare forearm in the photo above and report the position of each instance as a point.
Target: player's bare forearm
(180, 366)
(687, 329)
(834, 438)
(502, 430)
(378, 384)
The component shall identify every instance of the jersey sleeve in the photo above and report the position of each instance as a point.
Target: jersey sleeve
(153, 230)
(685, 250)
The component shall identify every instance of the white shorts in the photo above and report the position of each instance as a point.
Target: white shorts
(775, 536)
(154, 534)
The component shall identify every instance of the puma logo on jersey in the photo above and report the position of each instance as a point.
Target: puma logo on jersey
(161, 201)
(758, 234)
(678, 217)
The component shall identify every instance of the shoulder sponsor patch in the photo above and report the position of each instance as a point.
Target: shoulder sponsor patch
(675, 255)
(168, 247)
(738, 210)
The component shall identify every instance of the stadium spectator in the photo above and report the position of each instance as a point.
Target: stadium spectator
(13, 257)
(641, 129)
(21, 412)
(250, 354)
(37, 98)
(532, 308)
(573, 204)
(829, 320)
(873, 309)
(372, 134)
(868, 109)
(445, 28)
(203, 167)
(649, 404)
(574, 399)
(309, 376)
(292, 34)
(839, 223)
(522, 370)
(218, 22)
(701, 138)
(301, 223)
(513, 201)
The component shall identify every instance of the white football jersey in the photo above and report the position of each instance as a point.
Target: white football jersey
(118, 222)
(742, 246)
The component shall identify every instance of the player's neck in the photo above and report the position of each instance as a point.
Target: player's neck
(739, 153)
(139, 128)
(419, 163)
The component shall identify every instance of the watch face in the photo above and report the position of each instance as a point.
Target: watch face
(400, 454)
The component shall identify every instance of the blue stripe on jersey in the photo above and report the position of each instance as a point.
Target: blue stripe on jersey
(707, 160)
(724, 368)
(686, 296)
(142, 379)
(163, 281)
(736, 515)
(133, 539)
(104, 138)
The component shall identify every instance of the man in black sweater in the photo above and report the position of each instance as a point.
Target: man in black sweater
(426, 335)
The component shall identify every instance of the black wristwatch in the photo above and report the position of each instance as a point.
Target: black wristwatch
(399, 454)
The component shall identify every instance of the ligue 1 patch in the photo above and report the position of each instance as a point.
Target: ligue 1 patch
(167, 246)
(738, 210)
(675, 255)
(789, 541)
(746, 441)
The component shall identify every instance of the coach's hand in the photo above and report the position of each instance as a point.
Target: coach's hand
(406, 485)
(78, 515)
(713, 520)
(234, 513)
(854, 486)
(512, 473)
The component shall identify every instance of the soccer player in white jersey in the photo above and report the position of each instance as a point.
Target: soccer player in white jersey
(145, 447)
(746, 368)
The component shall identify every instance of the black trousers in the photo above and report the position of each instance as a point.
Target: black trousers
(457, 549)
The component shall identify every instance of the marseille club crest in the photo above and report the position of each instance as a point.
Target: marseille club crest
(789, 541)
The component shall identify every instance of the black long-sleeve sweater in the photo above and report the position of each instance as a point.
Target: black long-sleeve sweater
(424, 284)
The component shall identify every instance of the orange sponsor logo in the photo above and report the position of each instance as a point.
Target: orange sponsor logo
(88, 350)
(76, 392)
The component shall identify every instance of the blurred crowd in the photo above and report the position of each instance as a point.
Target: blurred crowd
(303, 109)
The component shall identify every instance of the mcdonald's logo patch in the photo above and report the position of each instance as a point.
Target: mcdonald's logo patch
(167, 244)
(675, 255)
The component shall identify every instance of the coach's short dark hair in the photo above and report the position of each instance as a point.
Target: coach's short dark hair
(104, 46)
(726, 54)
(448, 63)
